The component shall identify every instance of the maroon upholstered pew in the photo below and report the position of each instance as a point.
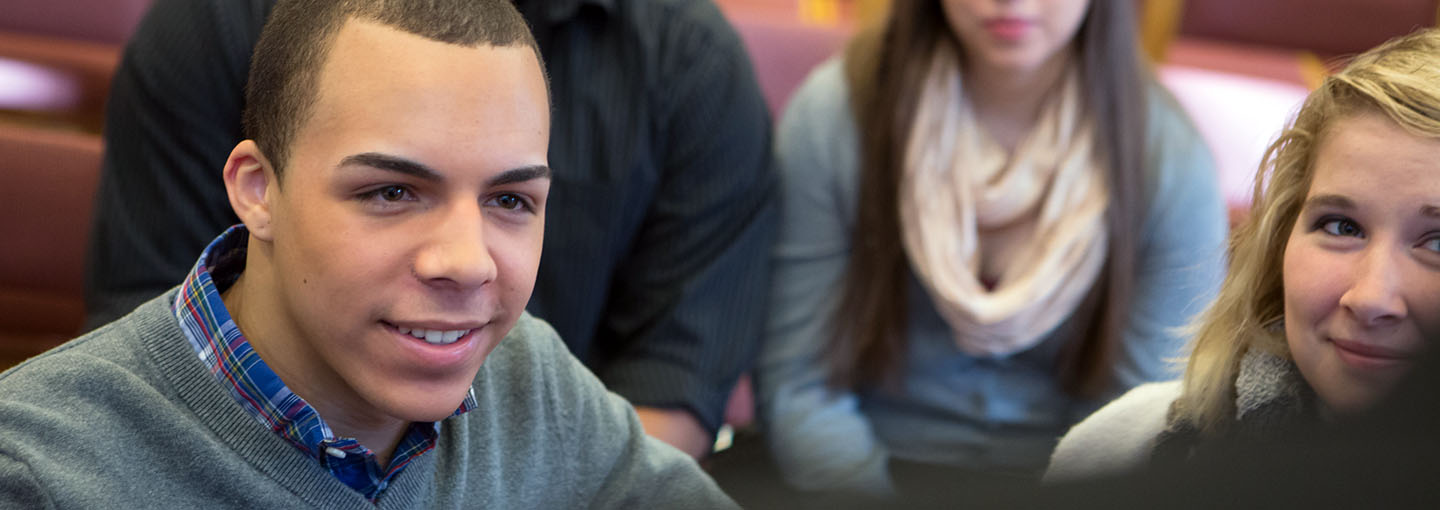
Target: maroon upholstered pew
(49, 181)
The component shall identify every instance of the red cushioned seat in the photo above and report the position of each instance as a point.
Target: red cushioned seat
(50, 178)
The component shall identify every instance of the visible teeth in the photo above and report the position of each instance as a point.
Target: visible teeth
(435, 336)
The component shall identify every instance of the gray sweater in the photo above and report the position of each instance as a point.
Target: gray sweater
(129, 417)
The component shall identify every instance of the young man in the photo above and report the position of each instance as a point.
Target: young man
(656, 244)
(361, 340)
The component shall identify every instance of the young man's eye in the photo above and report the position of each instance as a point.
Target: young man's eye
(392, 193)
(388, 199)
(510, 202)
(1340, 227)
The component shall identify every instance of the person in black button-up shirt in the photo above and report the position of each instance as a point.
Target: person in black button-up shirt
(661, 213)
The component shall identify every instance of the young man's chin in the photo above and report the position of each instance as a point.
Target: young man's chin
(426, 406)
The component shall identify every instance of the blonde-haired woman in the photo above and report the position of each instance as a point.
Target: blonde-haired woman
(1334, 286)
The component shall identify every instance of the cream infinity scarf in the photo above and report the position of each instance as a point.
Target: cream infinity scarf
(960, 188)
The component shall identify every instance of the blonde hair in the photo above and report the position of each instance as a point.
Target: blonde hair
(1400, 79)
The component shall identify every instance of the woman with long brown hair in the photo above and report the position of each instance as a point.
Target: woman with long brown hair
(993, 218)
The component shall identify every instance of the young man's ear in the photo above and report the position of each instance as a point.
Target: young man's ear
(250, 182)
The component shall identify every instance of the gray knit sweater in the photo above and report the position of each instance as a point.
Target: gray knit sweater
(128, 417)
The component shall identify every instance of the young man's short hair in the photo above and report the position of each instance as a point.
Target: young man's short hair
(285, 69)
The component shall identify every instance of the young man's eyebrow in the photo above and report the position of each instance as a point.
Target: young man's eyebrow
(1430, 211)
(392, 163)
(405, 166)
(522, 174)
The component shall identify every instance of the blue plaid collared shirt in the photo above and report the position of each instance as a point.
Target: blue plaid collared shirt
(223, 348)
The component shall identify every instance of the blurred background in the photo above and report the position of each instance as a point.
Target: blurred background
(1240, 67)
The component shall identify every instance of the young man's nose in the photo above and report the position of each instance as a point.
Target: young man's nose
(456, 253)
(1375, 295)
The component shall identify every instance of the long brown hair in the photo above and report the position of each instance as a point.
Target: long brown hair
(885, 68)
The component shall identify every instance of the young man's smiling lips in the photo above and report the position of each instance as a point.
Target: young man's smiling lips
(438, 343)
